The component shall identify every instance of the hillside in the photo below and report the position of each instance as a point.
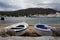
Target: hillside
(29, 11)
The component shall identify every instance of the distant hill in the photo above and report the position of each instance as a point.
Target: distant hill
(29, 11)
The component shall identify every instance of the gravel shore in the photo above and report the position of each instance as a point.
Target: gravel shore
(28, 38)
(30, 32)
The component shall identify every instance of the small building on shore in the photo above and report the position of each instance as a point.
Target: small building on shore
(57, 14)
(51, 15)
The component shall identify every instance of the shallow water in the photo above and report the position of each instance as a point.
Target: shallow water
(43, 20)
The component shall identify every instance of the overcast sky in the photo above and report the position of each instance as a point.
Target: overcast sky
(11, 5)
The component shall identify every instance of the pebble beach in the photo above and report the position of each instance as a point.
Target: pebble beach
(30, 35)
(30, 31)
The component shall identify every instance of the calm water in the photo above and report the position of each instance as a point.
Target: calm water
(45, 20)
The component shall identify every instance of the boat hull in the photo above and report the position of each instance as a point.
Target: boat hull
(21, 32)
(43, 29)
(43, 33)
(18, 28)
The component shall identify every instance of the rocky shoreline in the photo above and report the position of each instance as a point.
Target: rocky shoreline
(30, 32)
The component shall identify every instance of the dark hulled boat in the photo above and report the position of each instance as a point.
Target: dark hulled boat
(2, 18)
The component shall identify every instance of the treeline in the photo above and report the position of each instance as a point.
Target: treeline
(29, 11)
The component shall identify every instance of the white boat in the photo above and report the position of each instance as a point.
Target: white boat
(43, 30)
(19, 28)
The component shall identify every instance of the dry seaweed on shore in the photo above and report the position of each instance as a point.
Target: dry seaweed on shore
(30, 32)
(3, 33)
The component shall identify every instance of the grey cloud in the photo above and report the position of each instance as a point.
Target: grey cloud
(23, 4)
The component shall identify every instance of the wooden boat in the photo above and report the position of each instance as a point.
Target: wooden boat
(43, 29)
(19, 28)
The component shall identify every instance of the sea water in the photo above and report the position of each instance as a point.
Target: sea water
(42, 20)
